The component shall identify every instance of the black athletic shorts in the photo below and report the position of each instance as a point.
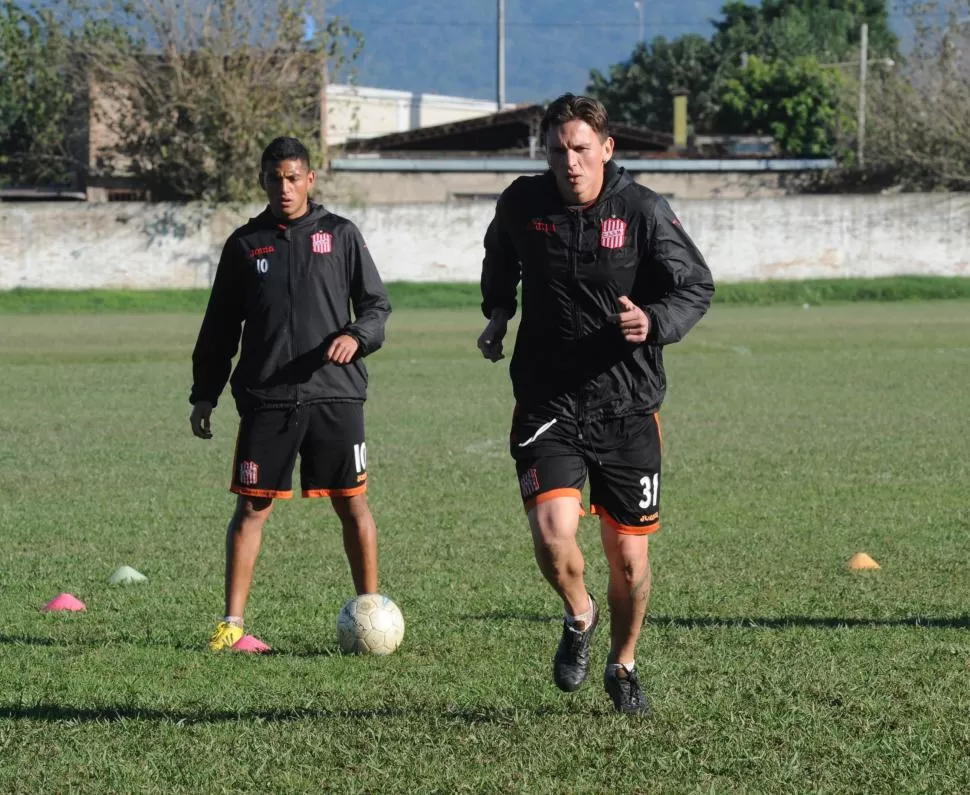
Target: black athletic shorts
(329, 438)
(621, 456)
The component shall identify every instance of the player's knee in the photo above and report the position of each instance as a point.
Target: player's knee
(551, 533)
(354, 508)
(253, 508)
(630, 565)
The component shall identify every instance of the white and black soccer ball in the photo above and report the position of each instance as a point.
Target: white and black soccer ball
(370, 624)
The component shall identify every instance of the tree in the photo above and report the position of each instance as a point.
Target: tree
(36, 98)
(787, 29)
(190, 92)
(796, 102)
(919, 116)
(640, 91)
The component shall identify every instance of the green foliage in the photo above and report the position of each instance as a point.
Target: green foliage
(791, 29)
(640, 91)
(796, 102)
(769, 55)
(36, 97)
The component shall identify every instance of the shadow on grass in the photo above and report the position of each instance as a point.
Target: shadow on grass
(26, 640)
(764, 622)
(89, 642)
(816, 622)
(114, 713)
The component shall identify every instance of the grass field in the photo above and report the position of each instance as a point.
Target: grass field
(794, 439)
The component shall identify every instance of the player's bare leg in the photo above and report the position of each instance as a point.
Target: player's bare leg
(243, 538)
(629, 589)
(360, 540)
(628, 594)
(554, 525)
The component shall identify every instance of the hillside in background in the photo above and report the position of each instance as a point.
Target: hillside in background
(443, 47)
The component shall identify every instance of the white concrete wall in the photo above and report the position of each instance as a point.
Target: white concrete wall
(144, 245)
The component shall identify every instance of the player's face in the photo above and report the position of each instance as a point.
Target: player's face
(287, 185)
(577, 157)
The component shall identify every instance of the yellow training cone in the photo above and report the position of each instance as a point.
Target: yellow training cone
(860, 561)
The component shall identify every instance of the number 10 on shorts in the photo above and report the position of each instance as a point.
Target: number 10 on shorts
(651, 491)
(360, 456)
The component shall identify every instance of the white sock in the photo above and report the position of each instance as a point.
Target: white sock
(236, 620)
(613, 667)
(583, 617)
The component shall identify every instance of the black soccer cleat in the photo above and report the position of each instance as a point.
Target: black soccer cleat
(570, 666)
(624, 688)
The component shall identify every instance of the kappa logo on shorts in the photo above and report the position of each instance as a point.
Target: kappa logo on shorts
(249, 473)
(613, 233)
(529, 482)
(321, 242)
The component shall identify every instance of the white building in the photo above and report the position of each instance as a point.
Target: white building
(363, 112)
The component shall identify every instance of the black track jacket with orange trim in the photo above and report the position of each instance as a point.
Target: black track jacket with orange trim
(570, 360)
(290, 288)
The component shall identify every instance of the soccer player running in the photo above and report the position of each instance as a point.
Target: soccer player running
(609, 277)
(286, 282)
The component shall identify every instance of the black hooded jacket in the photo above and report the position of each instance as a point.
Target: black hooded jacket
(290, 289)
(569, 359)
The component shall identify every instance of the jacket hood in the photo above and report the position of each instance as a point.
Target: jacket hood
(313, 214)
(615, 179)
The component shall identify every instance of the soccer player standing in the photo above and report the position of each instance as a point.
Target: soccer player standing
(609, 277)
(286, 283)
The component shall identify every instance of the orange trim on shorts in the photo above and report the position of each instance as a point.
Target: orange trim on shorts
(268, 493)
(555, 494)
(624, 529)
(336, 492)
(660, 433)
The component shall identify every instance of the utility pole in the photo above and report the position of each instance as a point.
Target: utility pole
(324, 79)
(638, 5)
(863, 68)
(500, 99)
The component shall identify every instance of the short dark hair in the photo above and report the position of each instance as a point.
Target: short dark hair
(569, 107)
(284, 148)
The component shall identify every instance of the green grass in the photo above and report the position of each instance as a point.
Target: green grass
(794, 438)
(437, 295)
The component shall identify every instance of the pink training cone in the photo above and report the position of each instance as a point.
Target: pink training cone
(250, 644)
(64, 601)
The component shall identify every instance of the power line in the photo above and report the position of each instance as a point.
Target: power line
(439, 23)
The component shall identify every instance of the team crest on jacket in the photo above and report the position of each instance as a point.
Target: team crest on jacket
(613, 233)
(321, 242)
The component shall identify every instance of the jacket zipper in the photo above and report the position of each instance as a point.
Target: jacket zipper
(292, 274)
(577, 320)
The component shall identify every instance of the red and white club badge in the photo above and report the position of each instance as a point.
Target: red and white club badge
(613, 233)
(249, 473)
(321, 242)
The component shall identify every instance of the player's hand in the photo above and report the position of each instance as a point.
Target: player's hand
(633, 321)
(342, 350)
(490, 340)
(200, 419)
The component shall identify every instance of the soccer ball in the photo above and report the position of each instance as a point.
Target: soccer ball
(370, 624)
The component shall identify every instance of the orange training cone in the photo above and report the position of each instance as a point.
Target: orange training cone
(860, 561)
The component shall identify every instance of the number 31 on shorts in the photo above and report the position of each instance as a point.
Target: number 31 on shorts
(651, 491)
